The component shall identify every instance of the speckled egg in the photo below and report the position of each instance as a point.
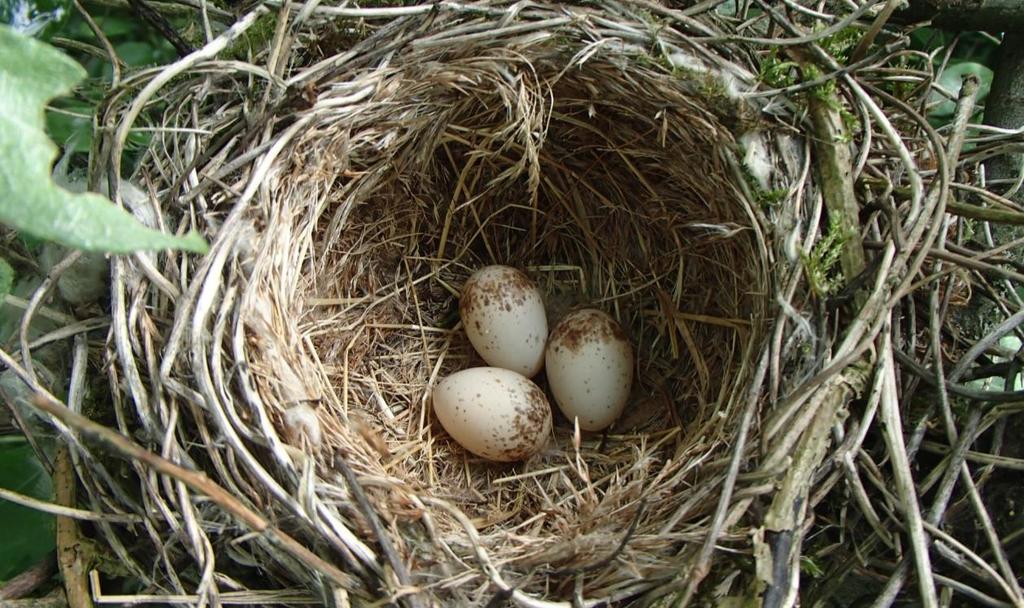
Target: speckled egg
(589, 364)
(504, 318)
(495, 413)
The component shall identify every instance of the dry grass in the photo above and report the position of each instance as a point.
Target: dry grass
(626, 156)
(611, 185)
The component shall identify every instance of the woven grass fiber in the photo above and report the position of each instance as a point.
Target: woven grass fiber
(350, 175)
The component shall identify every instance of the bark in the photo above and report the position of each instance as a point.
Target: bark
(1005, 104)
(835, 169)
(72, 554)
(966, 15)
(27, 582)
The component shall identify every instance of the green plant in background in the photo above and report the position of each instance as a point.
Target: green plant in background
(973, 53)
(778, 73)
(6, 278)
(28, 533)
(941, 107)
(69, 118)
(32, 74)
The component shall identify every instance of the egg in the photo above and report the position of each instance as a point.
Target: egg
(495, 413)
(589, 364)
(504, 318)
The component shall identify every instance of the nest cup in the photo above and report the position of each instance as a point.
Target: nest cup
(328, 307)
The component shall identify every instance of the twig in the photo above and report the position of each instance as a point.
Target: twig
(893, 431)
(876, 27)
(63, 511)
(40, 294)
(910, 364)
(97, 31)
(73, 555)
(397, 565)
(153, 17)
(986, 214)
(1006, 462)
(703, 564)
(835, 167)
(54, 600)
(43, 311)
(784, 521)
(198, 482)
(29, 580)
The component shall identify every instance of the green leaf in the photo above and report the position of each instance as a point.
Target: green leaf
(6, 278)
(31, 74)
(70, 124)
(27, 534)
(951, 80)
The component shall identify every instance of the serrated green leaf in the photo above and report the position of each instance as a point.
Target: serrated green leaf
(32, 73)
(6, 278)
(27, 534)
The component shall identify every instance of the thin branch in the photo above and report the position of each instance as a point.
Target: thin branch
(199, 482)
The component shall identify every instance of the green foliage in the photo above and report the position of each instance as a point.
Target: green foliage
(27, 534)
(841, 44)
(820, 263)
(69, 119)
(827, 93)
(766, 199)
(970, 46)
(780, 74)
(972, 53)
(6, 278)
(777, 73)
(941, 107)
(810, 567)
(770, 199)
(31, 74)
(255, 39)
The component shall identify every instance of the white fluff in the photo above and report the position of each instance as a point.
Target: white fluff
(301, 421)
(756, 158)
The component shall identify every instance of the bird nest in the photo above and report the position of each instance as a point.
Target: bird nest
(354, 174)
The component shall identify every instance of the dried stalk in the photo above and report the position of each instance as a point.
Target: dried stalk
(348, 188)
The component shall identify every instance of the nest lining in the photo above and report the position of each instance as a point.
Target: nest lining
(612, 186)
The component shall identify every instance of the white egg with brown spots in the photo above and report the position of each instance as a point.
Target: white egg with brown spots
(589, 363)
(504, 317)
(494, 413)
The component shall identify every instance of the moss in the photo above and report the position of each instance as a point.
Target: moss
(766, 199)
(827, 93)
(810, 567)
(712, 89)
(778, 73)
(821, 263)
(841, 44)
(255, 39)
(769, 199)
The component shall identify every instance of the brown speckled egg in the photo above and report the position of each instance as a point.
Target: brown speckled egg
(504, 318)
(589, 364)
(494, 413)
